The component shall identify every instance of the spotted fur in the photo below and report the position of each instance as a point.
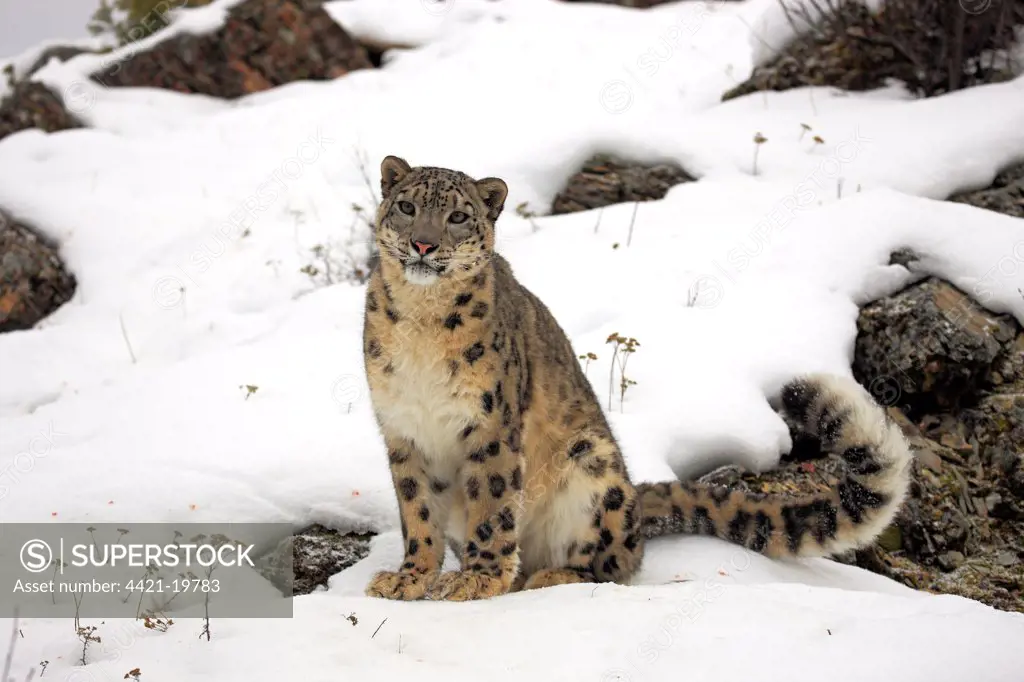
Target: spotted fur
(830, 413)
(498, 446)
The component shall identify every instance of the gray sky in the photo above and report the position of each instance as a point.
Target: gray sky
(24, 23)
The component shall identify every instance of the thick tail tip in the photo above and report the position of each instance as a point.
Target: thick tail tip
(847, 421)
(836, 415)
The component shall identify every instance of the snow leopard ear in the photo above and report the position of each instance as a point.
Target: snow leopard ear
(392, 170)
(493, 192)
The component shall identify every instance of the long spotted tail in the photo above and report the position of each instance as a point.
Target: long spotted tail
(845, 420)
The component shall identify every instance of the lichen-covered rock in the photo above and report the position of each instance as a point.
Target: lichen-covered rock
(604, 180)
(1004, 195)
(304, 561)
(33, 105)
(959, 525)
(929, 347)
(959, 371)
(33, 280)
(997, 421)
(263, 43)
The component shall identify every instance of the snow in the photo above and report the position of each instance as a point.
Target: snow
(18, 66)
(187, 221)
(707, 631)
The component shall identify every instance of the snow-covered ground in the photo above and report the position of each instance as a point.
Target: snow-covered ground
(189, 222)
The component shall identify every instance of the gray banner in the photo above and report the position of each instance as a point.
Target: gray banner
(180, 570)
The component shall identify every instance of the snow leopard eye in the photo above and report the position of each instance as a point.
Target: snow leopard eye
(458, 217)
(406, 207)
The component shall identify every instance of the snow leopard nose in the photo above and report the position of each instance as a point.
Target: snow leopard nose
(423, 248)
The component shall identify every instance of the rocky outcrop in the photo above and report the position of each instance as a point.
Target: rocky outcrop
(604, 180)
(1004, 195)
(821, 58)
(263, 44)
(305, 561)
(854, 48)
(33, 280)
(953, 373)
(33, 105)
(929, 348)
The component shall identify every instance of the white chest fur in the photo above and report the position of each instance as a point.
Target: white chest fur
(417, 402)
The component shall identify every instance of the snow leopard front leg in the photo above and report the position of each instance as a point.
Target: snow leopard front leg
(492, 484)
(422, 506)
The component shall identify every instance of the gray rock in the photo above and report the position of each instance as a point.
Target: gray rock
(996, 421)
(604, 180)
(33, 105)
(262, 44)
(33, 279)
(957, 373)
(1004, 195)
(951, 561)
(929, 347)
(1009, 465)
(904, 256)
(1006, 558)
(304, 561)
